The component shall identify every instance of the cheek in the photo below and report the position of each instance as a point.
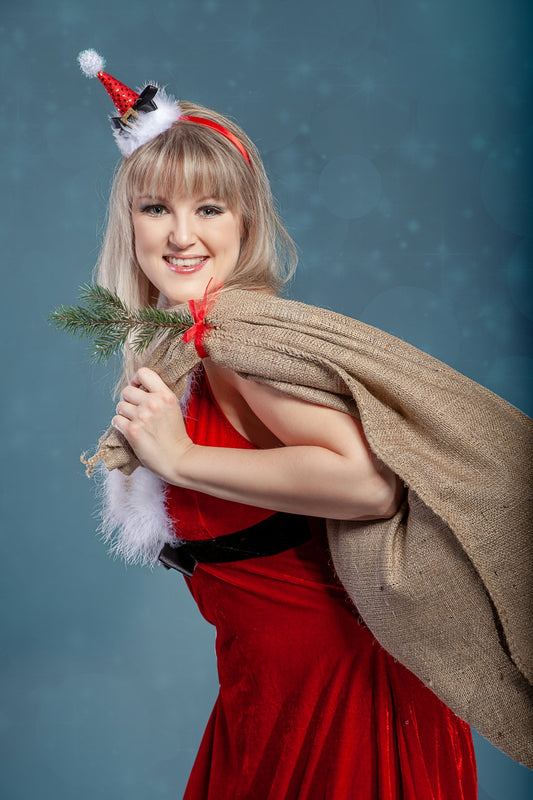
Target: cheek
(143, 241)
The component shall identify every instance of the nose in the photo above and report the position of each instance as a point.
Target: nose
(182, 233)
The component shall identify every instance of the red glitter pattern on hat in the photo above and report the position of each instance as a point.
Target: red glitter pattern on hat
(122, 96)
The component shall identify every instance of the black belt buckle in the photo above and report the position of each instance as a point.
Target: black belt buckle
(178, 558)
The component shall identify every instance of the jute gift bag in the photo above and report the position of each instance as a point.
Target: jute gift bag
(445, 585)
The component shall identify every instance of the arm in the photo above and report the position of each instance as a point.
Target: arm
(326, 468)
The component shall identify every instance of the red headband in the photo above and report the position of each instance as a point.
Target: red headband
(221, 129)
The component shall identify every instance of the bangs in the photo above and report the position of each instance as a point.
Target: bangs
(184, 163)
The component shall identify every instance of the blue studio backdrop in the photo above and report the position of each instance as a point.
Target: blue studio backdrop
(395, 134)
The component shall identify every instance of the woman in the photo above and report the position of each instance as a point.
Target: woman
(310, 705)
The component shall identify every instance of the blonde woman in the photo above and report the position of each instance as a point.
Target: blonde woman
(310, 705)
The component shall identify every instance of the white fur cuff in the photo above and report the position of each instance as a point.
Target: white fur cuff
(134, 518)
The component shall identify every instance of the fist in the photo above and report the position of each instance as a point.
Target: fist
(150, 418)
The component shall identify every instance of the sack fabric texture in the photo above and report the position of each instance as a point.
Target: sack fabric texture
(445, 585)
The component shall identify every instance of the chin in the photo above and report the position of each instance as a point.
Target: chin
(194, 291)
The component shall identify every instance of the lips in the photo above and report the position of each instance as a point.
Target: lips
(185, 265)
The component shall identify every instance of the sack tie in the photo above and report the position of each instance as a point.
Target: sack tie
(199, 310)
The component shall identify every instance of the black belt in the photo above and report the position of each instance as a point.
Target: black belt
(275, 534)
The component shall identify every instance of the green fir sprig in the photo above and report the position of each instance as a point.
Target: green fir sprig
(103, 317)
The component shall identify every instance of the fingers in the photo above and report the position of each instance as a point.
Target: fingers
(130, 419)
(131, 401)
(143, 408)
(132, 394)
(148, 379)
(136, 393)
(127, 410)
(144, 405)
(141, 403)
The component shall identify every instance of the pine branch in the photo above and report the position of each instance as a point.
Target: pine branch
(104, 318)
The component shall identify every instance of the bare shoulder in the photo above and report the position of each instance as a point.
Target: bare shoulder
(296, 422)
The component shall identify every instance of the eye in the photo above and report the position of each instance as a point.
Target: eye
(210, 211)
(154, 210)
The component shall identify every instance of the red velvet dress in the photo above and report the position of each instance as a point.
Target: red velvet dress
(310, 706)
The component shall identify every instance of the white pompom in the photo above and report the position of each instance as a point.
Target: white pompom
(91, 63)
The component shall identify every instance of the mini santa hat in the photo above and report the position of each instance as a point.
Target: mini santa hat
(141, 119)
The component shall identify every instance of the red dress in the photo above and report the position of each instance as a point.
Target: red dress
(310, 706)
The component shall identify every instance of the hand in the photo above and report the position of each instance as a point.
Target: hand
(150, 418)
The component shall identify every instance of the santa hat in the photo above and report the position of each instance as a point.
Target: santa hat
(140, 117)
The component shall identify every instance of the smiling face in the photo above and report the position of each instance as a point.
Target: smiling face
(182, 242)
(192, 169)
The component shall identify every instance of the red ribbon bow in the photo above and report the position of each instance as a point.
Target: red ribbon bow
(199, 310)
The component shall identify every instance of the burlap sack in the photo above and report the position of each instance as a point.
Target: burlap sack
(445, 585)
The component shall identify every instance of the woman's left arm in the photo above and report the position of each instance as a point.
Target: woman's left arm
(326, 468)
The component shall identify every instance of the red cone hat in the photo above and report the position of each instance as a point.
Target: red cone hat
(93, 65)
(122, 96)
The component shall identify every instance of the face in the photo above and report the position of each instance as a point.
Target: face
(183, 242)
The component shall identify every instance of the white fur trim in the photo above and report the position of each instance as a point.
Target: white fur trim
(91, 63)
(134, 518)
(148, 124)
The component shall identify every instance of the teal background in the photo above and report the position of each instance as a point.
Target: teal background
(397, 137)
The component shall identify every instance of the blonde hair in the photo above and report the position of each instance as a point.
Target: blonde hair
(192, 159)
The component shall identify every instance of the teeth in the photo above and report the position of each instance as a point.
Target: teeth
(185, 262)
